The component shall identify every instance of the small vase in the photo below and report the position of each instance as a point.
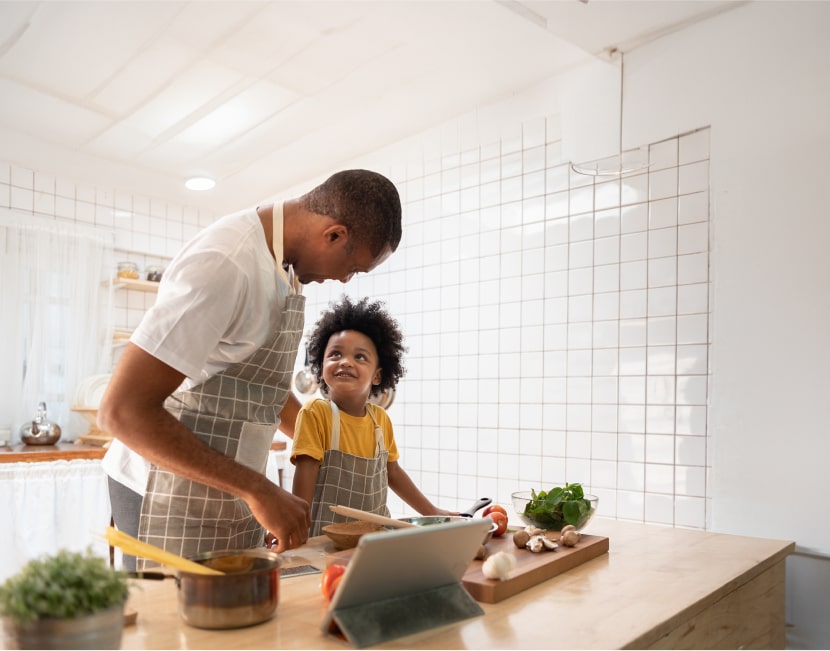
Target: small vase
(101, 630)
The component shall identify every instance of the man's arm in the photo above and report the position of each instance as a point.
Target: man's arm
(132, 410)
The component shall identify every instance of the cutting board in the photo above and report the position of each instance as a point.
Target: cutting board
(531, 568)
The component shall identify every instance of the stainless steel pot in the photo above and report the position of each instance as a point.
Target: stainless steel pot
(239, 598)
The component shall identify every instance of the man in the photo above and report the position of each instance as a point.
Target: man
(199, 391)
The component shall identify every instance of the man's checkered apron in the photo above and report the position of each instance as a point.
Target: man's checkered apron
(187, 518)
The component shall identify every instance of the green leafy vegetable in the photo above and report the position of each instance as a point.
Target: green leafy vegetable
(559, 506)
(63, 586)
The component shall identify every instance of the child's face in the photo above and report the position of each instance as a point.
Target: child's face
(350, 366)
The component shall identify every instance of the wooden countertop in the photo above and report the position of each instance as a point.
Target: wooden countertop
(66, 452)
(652, 581)
(58, 452)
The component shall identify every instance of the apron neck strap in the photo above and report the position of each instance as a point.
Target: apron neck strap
(335, 429)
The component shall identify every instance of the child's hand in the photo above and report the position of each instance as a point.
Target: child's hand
(443, 512)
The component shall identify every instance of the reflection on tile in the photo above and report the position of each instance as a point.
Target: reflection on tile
(693, 208)
(663, 154)
(635, 189)
(634, 275)
(692, 360)
(659, 450)
(690, 512)
(691, 420)
(632, 418)
(631, 476)
(660, 360)
(631, 505)
(694, 147)
(634, 219)
(694, 177)
(658, 508)
(659, 420)
(606, 222)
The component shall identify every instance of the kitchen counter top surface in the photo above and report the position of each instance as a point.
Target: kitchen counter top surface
(61, 451)
(657, 587)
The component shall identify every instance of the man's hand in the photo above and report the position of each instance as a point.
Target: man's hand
(285, 516)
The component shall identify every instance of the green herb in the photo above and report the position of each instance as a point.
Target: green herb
(63, 586)
(558, 507)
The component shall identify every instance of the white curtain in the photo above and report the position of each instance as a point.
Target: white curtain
(50, 506)
(55, 317)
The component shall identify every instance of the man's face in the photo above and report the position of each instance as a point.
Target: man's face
(337, 261)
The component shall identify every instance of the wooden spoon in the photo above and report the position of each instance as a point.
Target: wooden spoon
(370, 517)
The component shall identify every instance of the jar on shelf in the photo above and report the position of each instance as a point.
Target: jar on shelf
(128, 270)
(154, 273)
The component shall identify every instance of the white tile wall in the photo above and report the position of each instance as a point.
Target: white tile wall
(557, 324)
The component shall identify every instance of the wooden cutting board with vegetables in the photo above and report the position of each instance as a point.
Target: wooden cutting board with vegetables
(531, 567)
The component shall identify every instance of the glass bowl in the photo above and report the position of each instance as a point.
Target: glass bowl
(572, 512)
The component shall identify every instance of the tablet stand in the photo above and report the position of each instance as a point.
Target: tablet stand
(387, 619)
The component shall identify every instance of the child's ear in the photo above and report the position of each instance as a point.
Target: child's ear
(377, 377)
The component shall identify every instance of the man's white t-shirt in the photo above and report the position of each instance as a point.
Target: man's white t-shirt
(220, 298)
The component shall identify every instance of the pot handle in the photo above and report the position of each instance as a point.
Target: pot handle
(479, 504)
(155, 576)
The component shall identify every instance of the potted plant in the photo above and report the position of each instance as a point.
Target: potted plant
(70, 600)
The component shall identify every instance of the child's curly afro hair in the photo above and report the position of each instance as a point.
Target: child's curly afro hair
(369, 318)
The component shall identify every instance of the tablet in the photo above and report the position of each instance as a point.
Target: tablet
(394, 567)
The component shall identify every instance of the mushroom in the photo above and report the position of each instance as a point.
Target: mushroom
(539, 543)
(498, 565)
(533, 530)
(569, 536)
(520, 538)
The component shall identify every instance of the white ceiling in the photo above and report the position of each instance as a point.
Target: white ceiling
(265, 95)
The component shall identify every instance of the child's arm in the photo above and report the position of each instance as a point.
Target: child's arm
(405, 488)
(305, 477)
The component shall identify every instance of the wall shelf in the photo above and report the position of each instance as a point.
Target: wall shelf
(136, 284)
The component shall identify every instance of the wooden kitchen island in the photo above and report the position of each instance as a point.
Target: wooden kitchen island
(657, 587)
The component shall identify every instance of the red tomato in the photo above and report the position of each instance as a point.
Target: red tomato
(494, 507)
(335, 583)
(331, 579)
(501, 521)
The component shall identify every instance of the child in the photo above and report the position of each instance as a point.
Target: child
(344, 447)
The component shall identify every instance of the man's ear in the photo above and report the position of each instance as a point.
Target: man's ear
(336, 233)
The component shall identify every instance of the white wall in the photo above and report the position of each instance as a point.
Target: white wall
(758, 76)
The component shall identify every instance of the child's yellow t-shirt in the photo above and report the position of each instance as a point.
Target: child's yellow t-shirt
(312, 432)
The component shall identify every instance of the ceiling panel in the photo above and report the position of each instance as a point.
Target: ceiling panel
(191, 93)
(136, 95)
(46, 117)
(144, 75)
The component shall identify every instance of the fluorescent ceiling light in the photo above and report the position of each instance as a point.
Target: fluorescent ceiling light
(199, 183)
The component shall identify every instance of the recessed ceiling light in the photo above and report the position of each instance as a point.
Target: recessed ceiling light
(199, 183)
